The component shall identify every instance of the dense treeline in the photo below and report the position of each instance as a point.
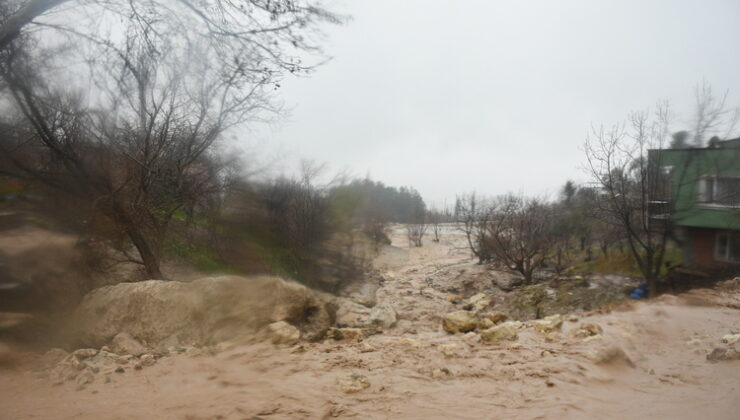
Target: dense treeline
(322, 235)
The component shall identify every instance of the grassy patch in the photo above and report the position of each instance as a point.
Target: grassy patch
(202, 258)
(615, 263)
(622, 263)
(562, 297)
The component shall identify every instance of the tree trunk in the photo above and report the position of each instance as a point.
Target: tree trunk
(33, 9)
(148, 256)
(652, 284)
(525, 270)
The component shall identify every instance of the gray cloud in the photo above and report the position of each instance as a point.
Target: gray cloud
(494, 96)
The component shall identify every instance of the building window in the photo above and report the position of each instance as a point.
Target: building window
(722, 191)
(661, 183)
(728, 247)
(659, 205)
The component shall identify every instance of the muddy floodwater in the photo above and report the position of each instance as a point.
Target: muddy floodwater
(639, 360)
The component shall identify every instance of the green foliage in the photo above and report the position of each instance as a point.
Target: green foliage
(200, 257)
(361, 198)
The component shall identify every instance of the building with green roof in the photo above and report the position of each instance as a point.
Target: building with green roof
(697, 193)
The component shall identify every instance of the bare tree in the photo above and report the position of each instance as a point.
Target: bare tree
(415, 231)
(135, 140)
(232, 24)
(297, 217)
(138, 160)
(295, 224)
(471, 215)
(618, 161)
(634, 186)
(712, 115)
(520, 233)
(435, 219)
(417, 224)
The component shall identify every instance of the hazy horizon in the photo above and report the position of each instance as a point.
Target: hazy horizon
(450, 97)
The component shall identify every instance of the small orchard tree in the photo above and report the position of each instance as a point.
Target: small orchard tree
(520, 234)
(417, 227)
(472, 217)
(435, 217)
(415, 233)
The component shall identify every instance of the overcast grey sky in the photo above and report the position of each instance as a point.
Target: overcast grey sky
(496, 96)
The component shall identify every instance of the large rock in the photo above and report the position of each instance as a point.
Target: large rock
(586, 329)
(383, 315)
(283, 333)
(731, 339)
(459, 321)
(501, 332)
(206, 311)
(362, 292)
(548, 324)
(507, 281)
(350, 314)
(496, 317)
(610, 355)
(82, 354)
(353, 383)
(123, 343)
(478, 302)
(723, 353)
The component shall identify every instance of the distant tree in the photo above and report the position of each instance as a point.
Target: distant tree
(434, 218)
(296, 226)
(400, 205)
(680, 140)
(712, 115)
(415, 232)
(417, 223)
(568, 192)
(565, 226)
(298, 221)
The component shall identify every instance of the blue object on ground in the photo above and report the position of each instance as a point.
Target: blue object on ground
(639, 293)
